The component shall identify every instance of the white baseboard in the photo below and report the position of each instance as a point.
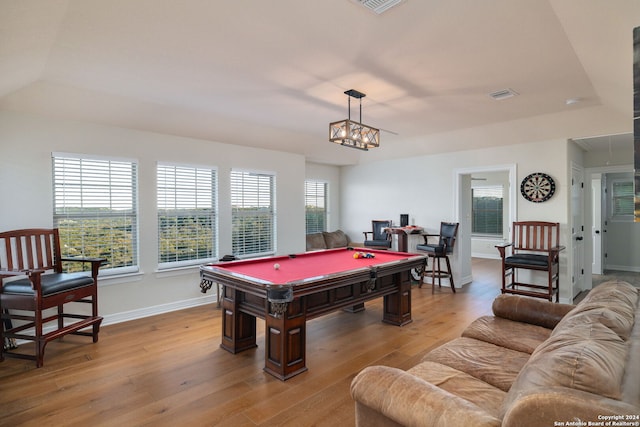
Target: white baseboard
(485, 255)
(632, 268)
(111, 319)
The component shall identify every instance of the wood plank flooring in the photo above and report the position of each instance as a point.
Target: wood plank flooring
(169, 369)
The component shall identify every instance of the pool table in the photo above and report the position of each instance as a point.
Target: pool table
(286, 291)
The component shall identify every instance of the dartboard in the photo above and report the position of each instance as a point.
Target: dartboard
(537, 187)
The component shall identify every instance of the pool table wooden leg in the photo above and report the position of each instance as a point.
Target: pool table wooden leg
(238, 328)
(285, 342)
(397, 306)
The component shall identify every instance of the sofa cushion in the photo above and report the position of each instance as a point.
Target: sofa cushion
(335, 239)
(529, 310)
(612, 305)
(461, 384)
(587, 357)
(488, 362)
(315, 241)
(588, 349)
(506, 333)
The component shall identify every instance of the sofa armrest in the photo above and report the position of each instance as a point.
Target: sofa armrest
(530, 310)
(411, 401)
(555, 405)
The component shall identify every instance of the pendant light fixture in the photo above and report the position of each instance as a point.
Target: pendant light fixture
(354, 134)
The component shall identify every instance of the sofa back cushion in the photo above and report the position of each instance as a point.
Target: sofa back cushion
(588, 349)
(315, 241)
(611, 304)
(335, 239)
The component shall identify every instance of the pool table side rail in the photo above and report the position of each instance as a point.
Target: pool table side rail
(258, 287)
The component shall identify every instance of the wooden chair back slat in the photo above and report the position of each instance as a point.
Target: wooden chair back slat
(536, 236)
(31, 249)
(6, 261)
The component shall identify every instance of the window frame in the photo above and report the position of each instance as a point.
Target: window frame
(210, 201)
(325, 199)
(87, 188)
(614, 213)
(243, 251)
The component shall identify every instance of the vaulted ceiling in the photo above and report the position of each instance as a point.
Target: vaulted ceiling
(271, 74)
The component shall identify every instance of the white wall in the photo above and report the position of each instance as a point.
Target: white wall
(26, 144)
(423, 186)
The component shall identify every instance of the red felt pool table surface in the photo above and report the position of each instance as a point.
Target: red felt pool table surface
(309, 265)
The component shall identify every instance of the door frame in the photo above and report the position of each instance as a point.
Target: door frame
(462, 189)
(588, 174)
(577, 253)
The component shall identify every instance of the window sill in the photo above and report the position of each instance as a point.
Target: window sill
(118, 279)
(178, 271)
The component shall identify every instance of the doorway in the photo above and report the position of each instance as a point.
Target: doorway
(463, 211)
(610, 250)
(613, 230)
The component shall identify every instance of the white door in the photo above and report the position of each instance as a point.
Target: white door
(596, 224)
(577, 230)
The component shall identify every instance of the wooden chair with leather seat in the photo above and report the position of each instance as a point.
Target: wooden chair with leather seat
(378, 238)
(536, 247)
(32, 257)
(436, 251)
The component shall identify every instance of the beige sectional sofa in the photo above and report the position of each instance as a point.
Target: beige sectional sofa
(328, 240)
(533, 363)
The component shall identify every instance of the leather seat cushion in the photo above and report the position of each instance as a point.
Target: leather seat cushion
(51, 284)
(501, 332)
(463, 385)
(432, 249)
(528, 260)
(382, 243)
(487, 362)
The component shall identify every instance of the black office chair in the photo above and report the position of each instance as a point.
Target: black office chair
(380, 239)
(439, 250)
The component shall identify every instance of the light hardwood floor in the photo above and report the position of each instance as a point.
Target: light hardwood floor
(169, 369)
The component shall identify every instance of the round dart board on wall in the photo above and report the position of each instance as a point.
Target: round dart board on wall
(537, 187)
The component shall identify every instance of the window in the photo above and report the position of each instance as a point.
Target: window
(315, 196)
(187, 220)
(252, 213)
(486, 211)
(622, 198)
(95, 209)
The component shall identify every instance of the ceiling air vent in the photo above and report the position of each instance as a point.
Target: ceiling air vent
(379, 6)
(503, 94)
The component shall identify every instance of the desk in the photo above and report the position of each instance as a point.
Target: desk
(402, 233)
(305, 286)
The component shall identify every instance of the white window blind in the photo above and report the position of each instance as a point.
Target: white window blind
(95, 209)
(253, 213)
(187, 220)
(622, 198)
(315, 195)
(487, 211)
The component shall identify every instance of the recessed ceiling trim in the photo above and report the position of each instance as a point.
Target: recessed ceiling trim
(379, 6)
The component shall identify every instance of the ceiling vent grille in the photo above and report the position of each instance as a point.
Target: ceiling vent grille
(503, 94)
(379, 6)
